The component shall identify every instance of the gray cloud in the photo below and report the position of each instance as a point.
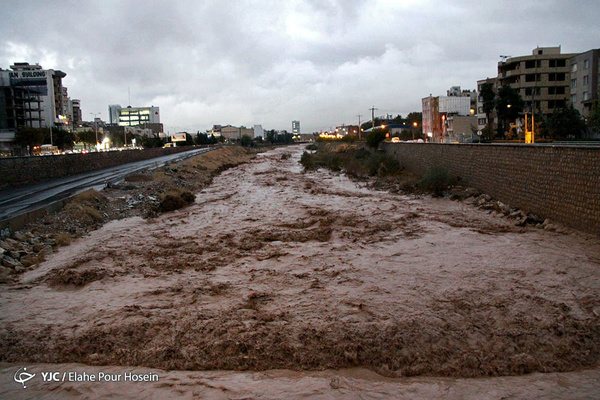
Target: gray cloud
(259, 62)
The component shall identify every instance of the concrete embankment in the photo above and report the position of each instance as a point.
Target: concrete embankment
(20, 171)
(557, 182)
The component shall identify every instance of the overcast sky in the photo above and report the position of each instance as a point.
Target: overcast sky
(321, 62)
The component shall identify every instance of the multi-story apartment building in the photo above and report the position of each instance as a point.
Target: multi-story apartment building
(547, 80)
(436, 110)
(584, 81)
(542, 78)
(75, 111)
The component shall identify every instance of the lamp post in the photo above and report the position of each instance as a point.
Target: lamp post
(413, 130)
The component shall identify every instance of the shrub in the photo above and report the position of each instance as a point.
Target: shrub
(176, 199)
(308, 161)
(435, 180)
(246, 141)
(374, 138)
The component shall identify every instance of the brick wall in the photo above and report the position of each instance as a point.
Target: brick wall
(561, 183)
(20, 171)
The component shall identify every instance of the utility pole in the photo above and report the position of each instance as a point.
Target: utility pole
(373, 115)
(359, 129)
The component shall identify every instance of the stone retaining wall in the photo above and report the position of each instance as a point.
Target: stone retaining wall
(20, 171)
(561, 183)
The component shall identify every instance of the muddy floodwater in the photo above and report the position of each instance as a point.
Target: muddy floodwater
(279, 283)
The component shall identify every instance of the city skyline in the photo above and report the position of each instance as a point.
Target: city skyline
(259, 63)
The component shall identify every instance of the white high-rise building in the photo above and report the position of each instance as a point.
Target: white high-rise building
(35, 96)
(259, 131)
(133, 116)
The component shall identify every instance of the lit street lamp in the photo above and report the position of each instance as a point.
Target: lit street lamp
(413, 131)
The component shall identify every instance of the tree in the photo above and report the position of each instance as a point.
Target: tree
(87, 137)
(413, 117)
(397, 120)
(61, 138)
(565, 122)
(489, 103)
(271, 136)
(594, 119)
(29, 137)
(246, 141)
(375, 137)
(509, 105)
(152, 141)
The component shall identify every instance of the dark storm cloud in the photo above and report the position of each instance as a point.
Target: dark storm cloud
(267, 62)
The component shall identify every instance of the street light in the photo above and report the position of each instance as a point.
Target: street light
(413, 131)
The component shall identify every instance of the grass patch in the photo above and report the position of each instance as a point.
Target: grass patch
(138, 178)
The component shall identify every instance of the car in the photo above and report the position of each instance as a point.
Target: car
(395, 139)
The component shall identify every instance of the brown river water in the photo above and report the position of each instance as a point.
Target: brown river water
(283, 284)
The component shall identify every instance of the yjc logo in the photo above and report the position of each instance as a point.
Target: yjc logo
(22, 376)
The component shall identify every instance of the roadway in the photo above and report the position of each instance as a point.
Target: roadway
(17, 201)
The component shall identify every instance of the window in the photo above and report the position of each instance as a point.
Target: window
(586, 64)
(586, 80)
(558, 63)
(532, 91)
(556, 90)
(573, 98)
(532, 77)
(553, 77)
(585, 96)
(574, 67)
(573, 83)
(533, 64)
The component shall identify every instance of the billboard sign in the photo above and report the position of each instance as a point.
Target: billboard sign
(179, 137)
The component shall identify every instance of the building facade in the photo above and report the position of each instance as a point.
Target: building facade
(482, 118)
(30, 97)
(235, 133)
(542, 79)
(296, 128)
(133, 116)
(437, 109)
(584, 82)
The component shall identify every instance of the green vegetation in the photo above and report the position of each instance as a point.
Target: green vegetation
(435, 180)
(246, 141)
(375, 137)
(565, 123)
(354, 160)
(361, 162)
